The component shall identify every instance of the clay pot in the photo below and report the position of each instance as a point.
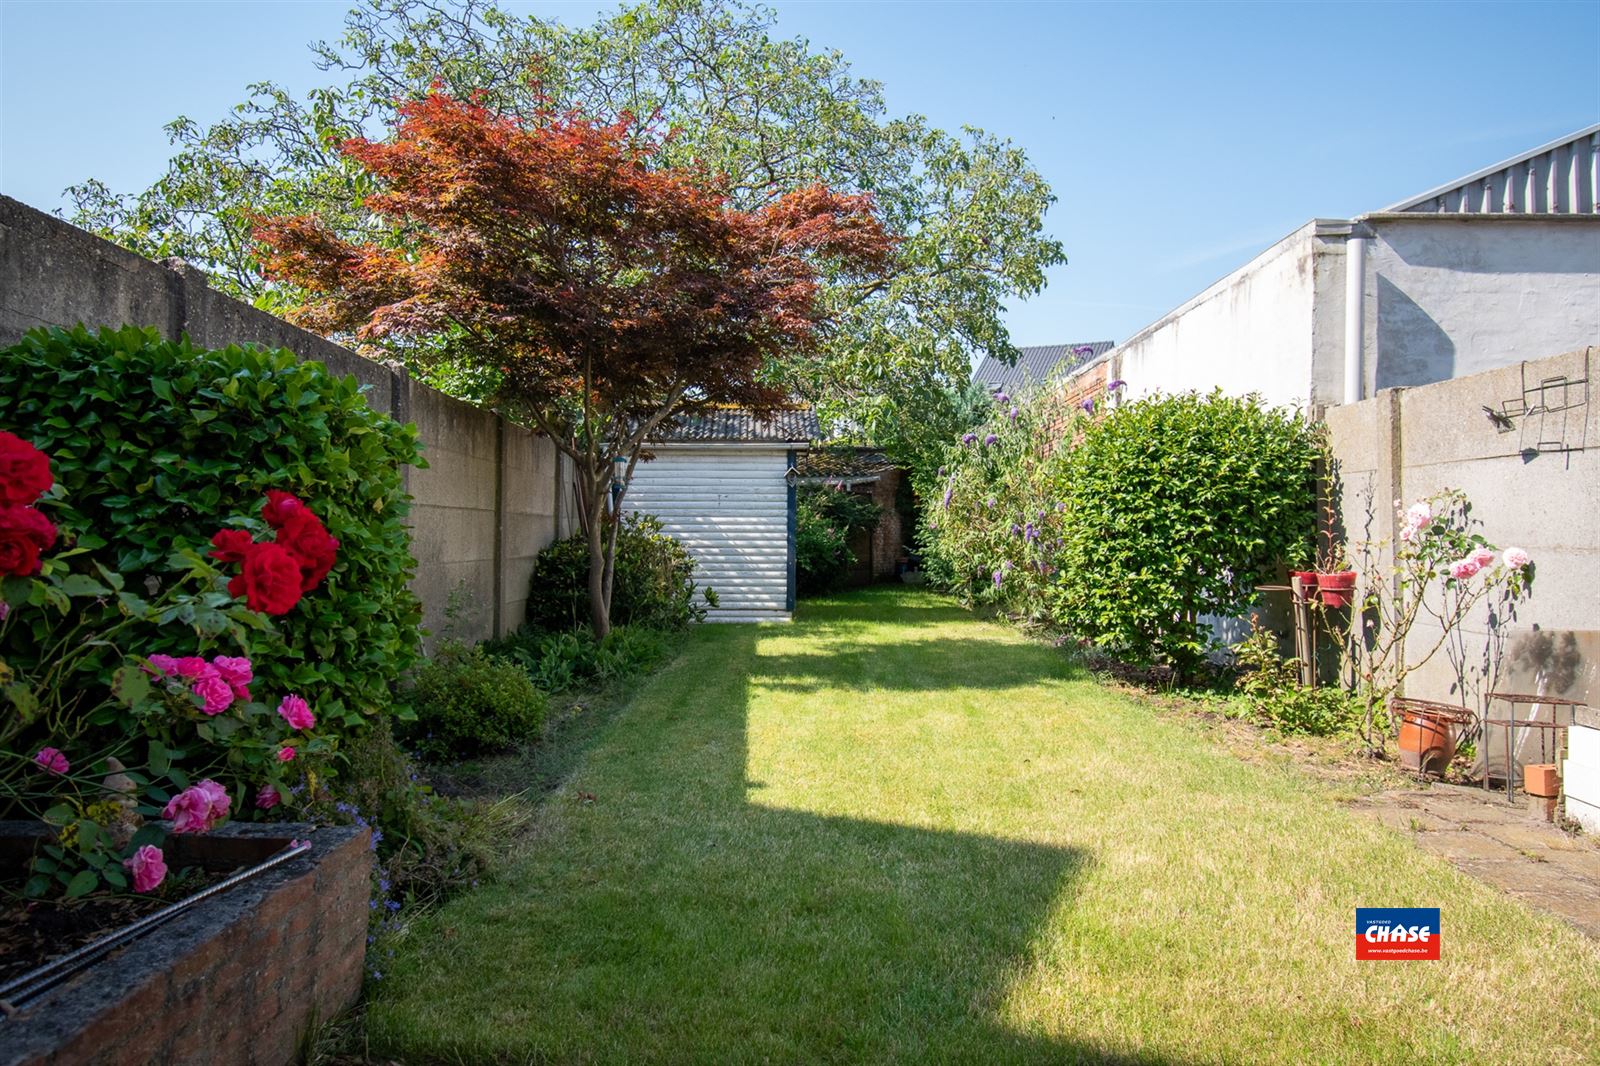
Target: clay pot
(1337, 589)
(1308, 582)
(1541, 779)
(1427, 743)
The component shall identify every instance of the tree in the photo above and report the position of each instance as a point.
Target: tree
(773, 115)
(601, 292)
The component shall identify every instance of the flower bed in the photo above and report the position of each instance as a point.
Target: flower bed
(239, 977)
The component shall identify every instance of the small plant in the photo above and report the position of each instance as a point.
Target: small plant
(557, 661)
(468, 702)
(1271, 686)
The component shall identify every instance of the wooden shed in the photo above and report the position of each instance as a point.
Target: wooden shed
(721, 483)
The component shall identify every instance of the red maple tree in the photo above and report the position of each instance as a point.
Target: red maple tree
(606, 295)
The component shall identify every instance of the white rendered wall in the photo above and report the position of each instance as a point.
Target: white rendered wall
(1580, 777)
(1456, 296)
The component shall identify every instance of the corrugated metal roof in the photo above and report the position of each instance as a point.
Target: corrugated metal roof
(1041, 363)
(733, 426)
(850, 465)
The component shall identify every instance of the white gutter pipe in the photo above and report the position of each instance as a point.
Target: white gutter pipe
(1355, 316)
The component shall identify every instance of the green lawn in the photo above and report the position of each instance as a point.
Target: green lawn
(891, 832)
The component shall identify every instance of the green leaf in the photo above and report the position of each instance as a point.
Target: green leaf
(83, 585)
(82, 883)
(130, 686)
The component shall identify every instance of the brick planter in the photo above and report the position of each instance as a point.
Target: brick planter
(237, 979)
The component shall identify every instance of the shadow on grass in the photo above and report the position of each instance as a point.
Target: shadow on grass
(668, 918)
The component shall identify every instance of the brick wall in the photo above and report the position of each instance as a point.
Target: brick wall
(239, 979)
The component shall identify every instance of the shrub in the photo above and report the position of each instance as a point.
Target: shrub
(158, 444)
(557, 661)
(653, 584)
(825, 519)
(468, 702)
(1175, 507)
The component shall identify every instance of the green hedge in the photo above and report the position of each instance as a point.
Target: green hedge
(157, 444)
(653, 585)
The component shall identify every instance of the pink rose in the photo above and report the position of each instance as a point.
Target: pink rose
(1484, 557)
(285, 753)
(1419, 514)
(267, 797)
(52, 761)
(192, 667)
(1462, 569)
(198, 807)
(216, 693)
(236, 671)
(163, 665)
(1516, 558)
(148, 866)
(297, 713)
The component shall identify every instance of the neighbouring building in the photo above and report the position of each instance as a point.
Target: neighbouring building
(723, 483)
(878, 551)
(1479, 273)
(1038, 364)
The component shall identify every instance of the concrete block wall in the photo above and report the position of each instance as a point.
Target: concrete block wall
(1534, 484)
(493, 493)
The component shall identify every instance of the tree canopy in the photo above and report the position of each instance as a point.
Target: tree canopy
(770, 115)
(602, 293)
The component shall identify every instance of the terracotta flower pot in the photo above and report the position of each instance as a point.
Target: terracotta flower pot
(1427, 736)
(1337, 589)
(1308, 581)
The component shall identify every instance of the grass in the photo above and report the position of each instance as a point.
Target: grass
(891, 832)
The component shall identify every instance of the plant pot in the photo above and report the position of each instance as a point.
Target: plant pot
(1427, 736)
(1540, 779)
(1337, 589)
(1308, 582)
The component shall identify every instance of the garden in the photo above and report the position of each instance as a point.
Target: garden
(959, 822)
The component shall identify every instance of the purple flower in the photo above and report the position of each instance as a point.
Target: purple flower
(968, 438)
(1113, 386)
(990, 439)
(1001, 398)
(991, 501)
(1083, 349)
(947, 494)
(997, 579)
(1013, 414)
(1088, 405)
(1030, 533)
(943, 471)
(1016, 530)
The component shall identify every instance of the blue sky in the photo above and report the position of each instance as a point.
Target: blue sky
(1180, 138)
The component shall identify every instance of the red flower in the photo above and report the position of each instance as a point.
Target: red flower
(24, 533)
(278, 508)
(305, 538)
(24, 470)
(230, 545)
(270, 580)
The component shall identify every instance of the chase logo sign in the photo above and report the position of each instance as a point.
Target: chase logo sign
(1397, 932)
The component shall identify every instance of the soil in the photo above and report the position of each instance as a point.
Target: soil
(33, 932)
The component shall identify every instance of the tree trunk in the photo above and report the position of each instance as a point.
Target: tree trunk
(599, 598)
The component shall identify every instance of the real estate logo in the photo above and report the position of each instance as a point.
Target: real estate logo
(1397, 932)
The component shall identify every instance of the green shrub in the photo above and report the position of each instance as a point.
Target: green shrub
(557, 661)
(653, 585)
(1271, 688)
(156, 445)
(825, 519)
(1175, 508)
(468, 702)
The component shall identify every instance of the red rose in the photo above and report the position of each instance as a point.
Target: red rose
(278, 508)
(230, 545)
(270, 580)
(304, 537)
(24, 533)
(24, 470)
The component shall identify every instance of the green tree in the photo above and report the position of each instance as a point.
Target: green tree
(772, 114)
